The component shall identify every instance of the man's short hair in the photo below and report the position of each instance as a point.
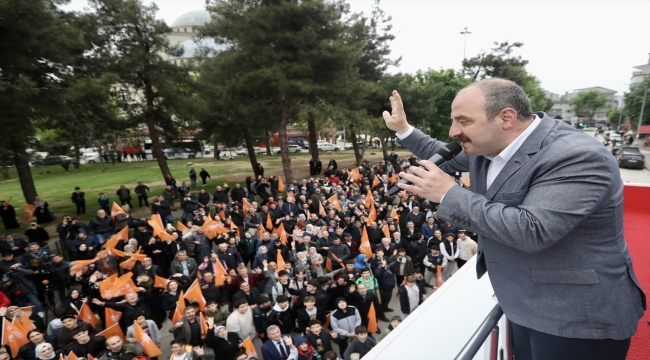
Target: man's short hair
(239, 303)
(315, 322)
(499, 94)
(396, 318)
(176, 342)
(309, 298)
(281, 298)
(271, 328)
(282, 273)
(263, 299)
(360, 329)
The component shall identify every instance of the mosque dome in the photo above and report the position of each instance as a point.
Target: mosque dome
(192, 18)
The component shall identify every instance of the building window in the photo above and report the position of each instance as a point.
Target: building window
(122, 95)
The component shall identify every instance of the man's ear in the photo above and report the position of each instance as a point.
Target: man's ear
(508, 118)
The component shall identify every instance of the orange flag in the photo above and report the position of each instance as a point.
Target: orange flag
(438, 276)
(204, 324)
(356, 175)
(364, 248)
(114, 330)
(246, 206)
(393, 179)
(394, 215)
(180, 308)
(116, 209)
(280, 261)
(282, 234)
(72, 356)
(222, 215)
(280, 186)
(249, 348)
(386, 231)
(321, 209)
(375, 181)
(335, 202)
(80, 264)
(124, 285)
(148, 346)
(28, 211)
(121, 235)
(13, 336)
(372, 215)
(180, 227)
(157, 224)
(133, 258)
(269, 223)
(112, 316)
(106, 286)
(372, 319)
(160, 282)
(291, 196)
(466, 181)
(26, 323)
(164, 235)
(194, 294)
(86, 315)
(221, 274)
(328, 264)
(234, 228)
(369, 199)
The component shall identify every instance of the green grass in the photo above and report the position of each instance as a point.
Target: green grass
(56, 186)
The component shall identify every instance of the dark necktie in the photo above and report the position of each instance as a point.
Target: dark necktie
(282, 351)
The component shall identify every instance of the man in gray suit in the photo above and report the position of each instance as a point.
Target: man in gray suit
(547, 203)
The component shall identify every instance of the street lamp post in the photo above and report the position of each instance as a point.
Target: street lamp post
(465, 33)
(638, 129)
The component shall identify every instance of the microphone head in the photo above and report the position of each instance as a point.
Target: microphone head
(450, 150)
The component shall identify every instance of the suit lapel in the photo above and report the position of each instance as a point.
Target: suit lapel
(531, 146)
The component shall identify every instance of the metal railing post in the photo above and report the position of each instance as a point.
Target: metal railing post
(476, 341)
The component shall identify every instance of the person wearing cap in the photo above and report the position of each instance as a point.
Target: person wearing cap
(303, 350)
(84, 344)
(343, 321)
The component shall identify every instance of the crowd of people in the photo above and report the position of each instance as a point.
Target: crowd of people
(308, 268)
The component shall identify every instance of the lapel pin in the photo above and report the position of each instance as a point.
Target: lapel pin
(516, 161)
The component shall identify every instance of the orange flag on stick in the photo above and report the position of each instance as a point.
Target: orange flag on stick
(80, 264)
(164, 235)
(157, 224)
(280, 184)
(180, 308)
(372, 319)
(160, 282)
(221, 274)
(356, 175)
(26, 323)
(246, 206)
(13, 336)
(328, 264)
(282, 234)
(393, 179)
(321, 209)
(364, 248)
(290, 195)
(112, 331)
(327, 321)
(204, 324)
(234, 228)
(335, 202)
(394, 215)
(369, 199)
(72, 356)
(194, 294)
(28, 211)
(372, 216)
(438, 276)
(375, 181)
(124, 285)
(280, 261)
(269, 223)
(180, 226)
(86, 315)
(112, 317)
(116, 209)
(250, 348)
(106, 286)
(113, 241)
(385, 230)
(148, 346)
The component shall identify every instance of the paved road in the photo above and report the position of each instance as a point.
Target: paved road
(635, 175)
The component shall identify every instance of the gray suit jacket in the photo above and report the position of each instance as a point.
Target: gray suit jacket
(550, 232)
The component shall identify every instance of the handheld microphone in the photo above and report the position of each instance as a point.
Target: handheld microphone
(445, 154)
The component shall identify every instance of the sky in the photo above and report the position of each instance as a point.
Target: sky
(569, 44)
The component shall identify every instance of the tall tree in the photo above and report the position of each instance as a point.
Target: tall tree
(587, 103)
(160, 93)
(634, 102)
(296, 48)
(38, 48)
(500, 62)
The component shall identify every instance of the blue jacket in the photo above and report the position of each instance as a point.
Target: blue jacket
(427, 231)
(385, 278)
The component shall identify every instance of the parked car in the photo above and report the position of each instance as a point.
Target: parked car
(256, 150)
(53, 160)
(328, 147)
(634, 160)
(623, 148)
(292, 149)
(91, 157)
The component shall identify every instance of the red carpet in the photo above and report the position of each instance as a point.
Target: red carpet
(637, 234)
